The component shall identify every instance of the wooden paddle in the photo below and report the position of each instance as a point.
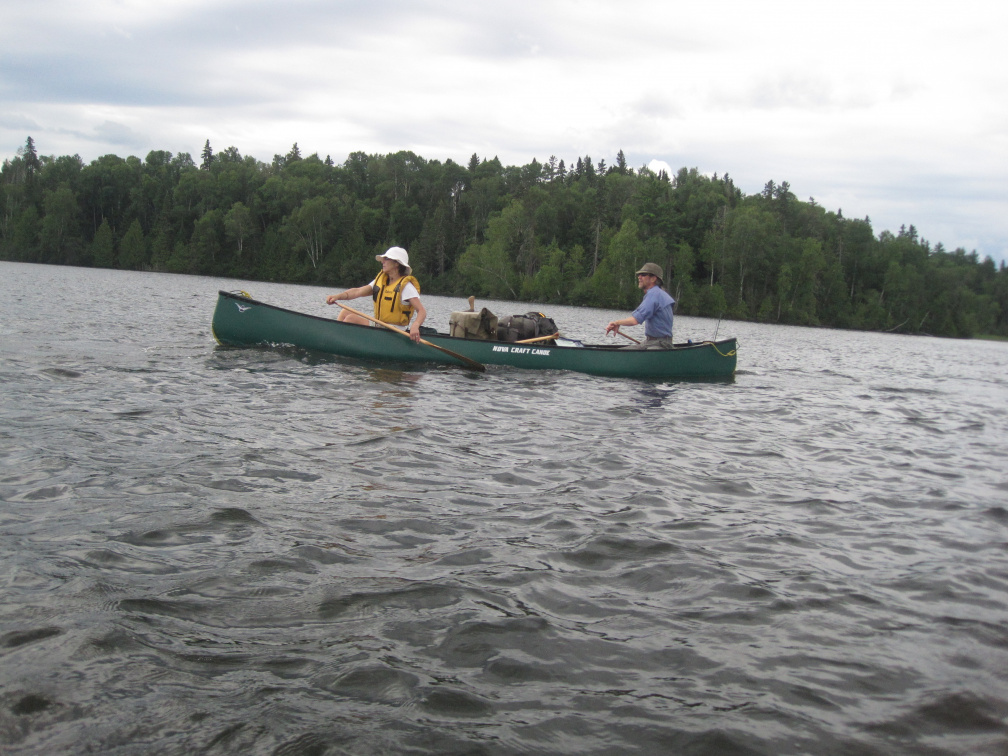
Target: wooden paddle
(461, 358)
(540, 338)
(624, 335)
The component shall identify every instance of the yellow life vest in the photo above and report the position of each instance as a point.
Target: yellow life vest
(388, 304)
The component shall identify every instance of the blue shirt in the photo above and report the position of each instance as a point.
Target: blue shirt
(655, 312)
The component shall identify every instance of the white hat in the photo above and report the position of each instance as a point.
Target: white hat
(399, 255)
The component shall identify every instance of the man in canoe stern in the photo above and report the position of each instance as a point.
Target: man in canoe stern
(395, 291)
(655, 310)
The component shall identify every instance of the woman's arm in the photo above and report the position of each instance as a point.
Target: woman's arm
(421, 316)
(360, 291)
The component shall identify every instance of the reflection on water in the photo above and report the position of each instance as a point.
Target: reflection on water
(654, 398)
(226, 550)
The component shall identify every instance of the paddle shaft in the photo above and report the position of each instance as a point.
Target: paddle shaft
(540, 338)
(461, 358)
(627, 336)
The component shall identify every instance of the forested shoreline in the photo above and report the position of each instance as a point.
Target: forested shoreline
(544, 232)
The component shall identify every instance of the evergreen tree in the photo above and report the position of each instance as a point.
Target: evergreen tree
(31, 159)
(207, 156)
(133, 248)
(103, 247)
(621, 164)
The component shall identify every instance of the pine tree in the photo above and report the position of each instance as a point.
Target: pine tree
(207, 155)
(102, 248)
(31, 160)
(133, 248)
(621, 164)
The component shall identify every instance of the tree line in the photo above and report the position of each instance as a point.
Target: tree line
(544, 232)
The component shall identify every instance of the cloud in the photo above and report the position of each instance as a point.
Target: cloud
(853, 106)
(118, 133)
(17, 121)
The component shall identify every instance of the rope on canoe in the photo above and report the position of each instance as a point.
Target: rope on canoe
(731, 353)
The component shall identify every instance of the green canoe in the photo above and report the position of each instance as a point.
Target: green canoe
(240, 320)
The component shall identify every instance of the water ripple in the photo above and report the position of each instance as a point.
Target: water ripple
(272, 552)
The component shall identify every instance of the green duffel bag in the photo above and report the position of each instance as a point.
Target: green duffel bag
(531, 325)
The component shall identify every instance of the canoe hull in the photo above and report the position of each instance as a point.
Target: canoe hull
(242, 321)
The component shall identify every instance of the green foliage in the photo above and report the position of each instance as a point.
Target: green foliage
(489, 268)
(103, 247)
(59, 236)
(541, 232)
(711, 301)
(238, 227)
(207, 242)
(24, 239)
(614, 283)
(311, 224)
(133, 248)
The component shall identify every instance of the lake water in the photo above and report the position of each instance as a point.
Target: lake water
(211, 550)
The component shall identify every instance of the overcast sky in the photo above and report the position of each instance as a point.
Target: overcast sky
(893, 110)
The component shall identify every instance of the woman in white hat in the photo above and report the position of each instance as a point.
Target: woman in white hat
(395, 291)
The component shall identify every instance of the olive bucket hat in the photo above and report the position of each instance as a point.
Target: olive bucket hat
(653, 270)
